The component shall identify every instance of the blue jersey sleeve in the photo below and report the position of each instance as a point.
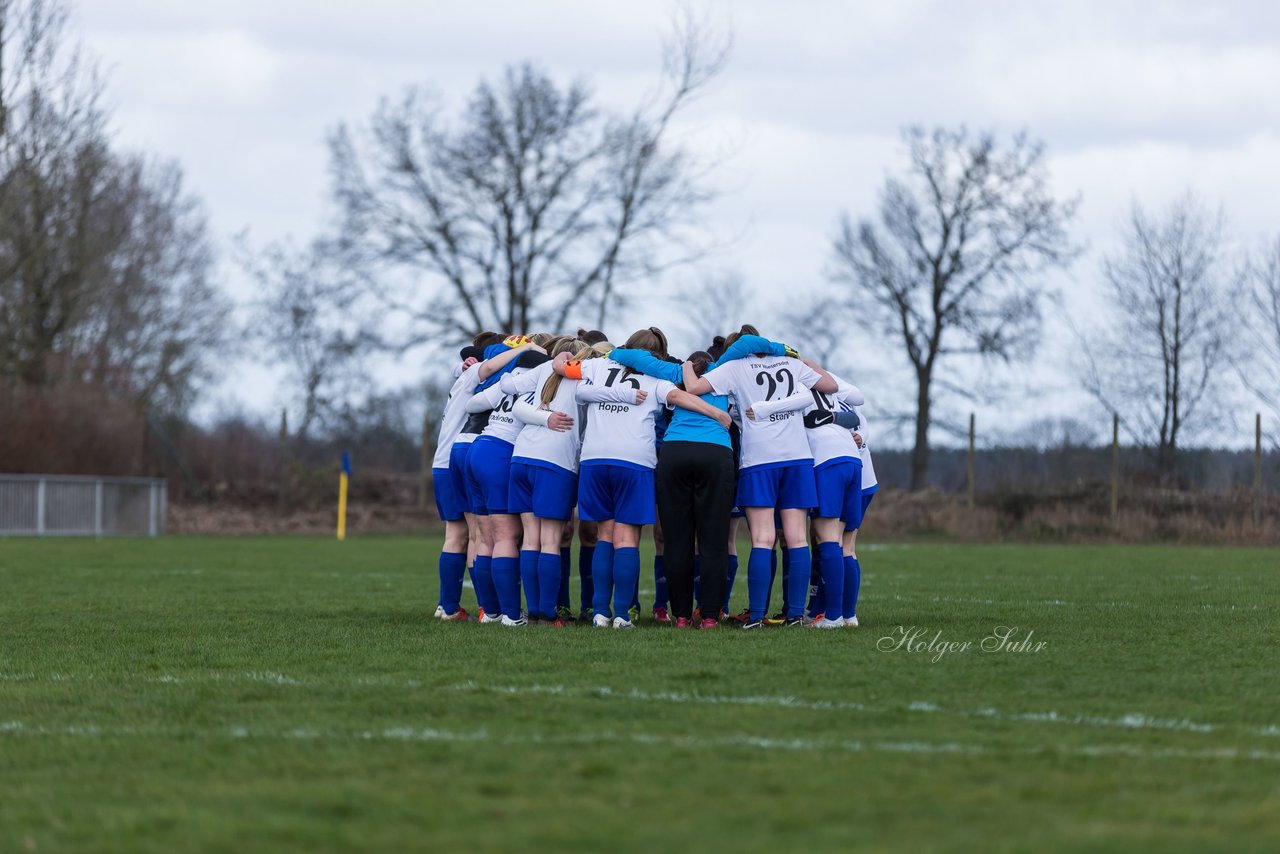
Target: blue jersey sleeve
(649, 365)
(750, 345)
(489, 352)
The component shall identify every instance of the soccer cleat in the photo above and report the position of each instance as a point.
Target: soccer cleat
(809, 621)
(742, 616)
(851, 622)
(508, 622)
(708, 623)
(683, 623)
(439, 614)
(564, 614)
(660, 615)
(600, 621)
(585, 615)
(824, 623)
(622, 623)
(792, 622)
(753, 623)
(561, 624)
(776, 620)
(633, 614)
(458, 616)
(485, 618)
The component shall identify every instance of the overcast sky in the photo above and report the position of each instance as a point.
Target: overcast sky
(1132, 104)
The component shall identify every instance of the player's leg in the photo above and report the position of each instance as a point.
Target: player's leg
(588, 536)
(626, 570)
(713, 502)
(552, 533)
(661, 591)
(675, 506)
(735, 520)
(795, 522)
(530, 556)
(602, 575)
(763, 536)
(506, 566)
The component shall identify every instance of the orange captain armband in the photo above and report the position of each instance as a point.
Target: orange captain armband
(573, 370)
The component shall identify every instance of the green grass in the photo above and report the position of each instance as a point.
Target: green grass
(267, 694)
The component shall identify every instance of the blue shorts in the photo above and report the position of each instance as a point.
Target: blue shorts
(458, 469)
(546, 491)
(620, 493)
(839, 483)
(450, 504)
(781, 485)
(488, 470)
(867, 495)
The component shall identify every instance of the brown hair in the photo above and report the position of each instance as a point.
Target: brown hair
(651, 339)
(487, 339)
(747, 329)
(541, 338)
(592, 336)
(701, 361)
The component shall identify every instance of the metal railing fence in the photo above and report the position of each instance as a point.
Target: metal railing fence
(71, 506)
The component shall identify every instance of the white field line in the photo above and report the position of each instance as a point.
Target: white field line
(968, 600)
(1131, 721)
(1135, 721)
(732, 740)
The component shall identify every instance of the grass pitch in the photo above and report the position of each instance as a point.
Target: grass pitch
(267, 694)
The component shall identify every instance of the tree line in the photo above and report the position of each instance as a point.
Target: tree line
(537, 206)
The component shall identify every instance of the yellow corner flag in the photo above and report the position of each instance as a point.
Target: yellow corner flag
(342, 495)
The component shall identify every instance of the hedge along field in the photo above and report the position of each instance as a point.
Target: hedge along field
(293, 693)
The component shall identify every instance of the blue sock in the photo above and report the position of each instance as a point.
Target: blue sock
(773, 574)
(799, 568)
(452, 565)
(832, 563)
(626, 575)
(566, 570)
(786, 580)
(506, 578)
(758, 582)
(728, 588)
(529, 581)
(661, 595)
(602, 579)
(482, 581)
(548, 584)
(586, 590)
(852, 582)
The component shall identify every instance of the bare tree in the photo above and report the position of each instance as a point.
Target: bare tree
(1157, 351)
(951, 266)
(1260, 370)
(717, 305)
(104, 258)
(534, 208)
(306, 317)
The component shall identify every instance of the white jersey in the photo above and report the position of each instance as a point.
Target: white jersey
(868, 470)
(503, 424)
(455, 416)
(621, 432)
(777, 438)
(537, 441)
(831, 441)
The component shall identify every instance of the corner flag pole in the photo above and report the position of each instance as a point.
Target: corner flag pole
(342, 495)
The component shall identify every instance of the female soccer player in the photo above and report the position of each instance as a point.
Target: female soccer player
(488, 471)
(838, 477)
(853, 569)
(696, 484)
(777, 469)
(544, 470)
(616, 485)
(448, 474)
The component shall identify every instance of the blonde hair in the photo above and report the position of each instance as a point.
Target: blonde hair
(579, 350)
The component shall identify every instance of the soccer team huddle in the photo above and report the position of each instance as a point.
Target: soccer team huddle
(546, 436)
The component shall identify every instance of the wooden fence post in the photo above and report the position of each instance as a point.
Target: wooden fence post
(283, 497)
(424, 480)
(972, 464)
(1257, 470)
(1115, 470)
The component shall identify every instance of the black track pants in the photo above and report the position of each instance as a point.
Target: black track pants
(696, 483)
